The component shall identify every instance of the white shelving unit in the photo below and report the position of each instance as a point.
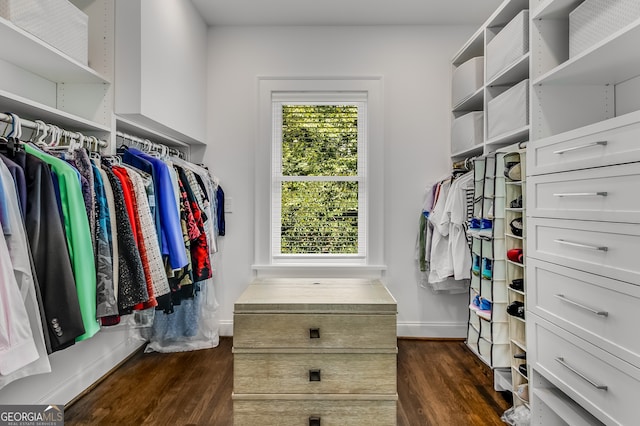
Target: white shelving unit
(515, 72)
(585, 117)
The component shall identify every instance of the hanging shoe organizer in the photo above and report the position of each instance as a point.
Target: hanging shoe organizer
(488, 326)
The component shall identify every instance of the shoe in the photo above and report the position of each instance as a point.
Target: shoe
(522, 355)
(475, 268)
(523, 392)
(485, 305)
(517, 203)
(516, 309)
(486, 228)
(515, 255)
(516, 227)
(522, 368)
(512, 171)
(517, 284)
(487, 265)
(474, 223)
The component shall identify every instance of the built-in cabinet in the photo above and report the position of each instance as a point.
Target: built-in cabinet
(40, 82)
(581, 223)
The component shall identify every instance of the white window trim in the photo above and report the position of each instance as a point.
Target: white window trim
(358, 99)
(263, 256)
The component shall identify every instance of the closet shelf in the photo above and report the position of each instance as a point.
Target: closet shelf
(516, 291)
(471, 103)
(514, 236)
(514, 73)
(26, 108)
(506, 12)
(472, 48)
(601, 64)
(476, 150)
(517, 371)
(34, 55)
(563, 406)
(519, 344)
(128, 126)
(518, 135)
(515, 263)
(554, 9)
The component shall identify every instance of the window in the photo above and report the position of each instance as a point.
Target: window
(319, 177)
(345, 191)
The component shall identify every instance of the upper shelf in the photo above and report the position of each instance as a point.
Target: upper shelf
(27, 51)
(506, 12)
(471, 103)
(611, 61)
(472, 48)
(515, 73)
(553, 9)
(32, 110)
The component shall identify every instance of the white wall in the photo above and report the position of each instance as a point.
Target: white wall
(414, 63)
(160, 66)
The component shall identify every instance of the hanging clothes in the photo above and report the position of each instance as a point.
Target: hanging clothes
(23, 351)
(78, 238)
(171, 244)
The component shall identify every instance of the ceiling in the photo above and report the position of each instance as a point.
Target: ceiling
(346, 12)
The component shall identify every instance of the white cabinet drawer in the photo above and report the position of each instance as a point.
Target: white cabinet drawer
(613, 142)
(598, 309)
(318, 373)
(314, 331)
(608, 249)
(604, 193)
(291, 411)
(606, 386)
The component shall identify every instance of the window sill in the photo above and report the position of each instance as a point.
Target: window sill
(328, 270)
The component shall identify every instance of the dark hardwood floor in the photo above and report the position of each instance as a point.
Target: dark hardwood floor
(439, 383)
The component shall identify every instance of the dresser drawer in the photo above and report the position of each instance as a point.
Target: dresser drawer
(314, 331)
(299, 412)
(614, 142)
(598, 309)
(603, 193)
(608, 249)
(603, 384)
(329, 373)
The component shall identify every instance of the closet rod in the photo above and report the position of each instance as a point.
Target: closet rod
(32, 125)
(147, 142)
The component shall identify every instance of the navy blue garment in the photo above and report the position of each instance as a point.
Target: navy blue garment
(17, 173)
(220, 210)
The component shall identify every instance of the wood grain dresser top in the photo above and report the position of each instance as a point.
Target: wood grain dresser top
(322, 295)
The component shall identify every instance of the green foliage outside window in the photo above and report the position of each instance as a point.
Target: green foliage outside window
(319, 216)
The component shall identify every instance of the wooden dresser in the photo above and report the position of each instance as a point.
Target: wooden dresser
(315, 352)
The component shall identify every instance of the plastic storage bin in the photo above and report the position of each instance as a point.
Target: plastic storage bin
(595, 20)
(509, 45)
(467, 131)
(56, 22)
(509, 111)
(467, 79)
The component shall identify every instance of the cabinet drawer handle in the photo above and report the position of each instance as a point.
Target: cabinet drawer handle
(314, 333)
(562, 362)
(314, 375)
(314, 421)
(587, 246)
(587, 145)
(580, 305)
(582, 194)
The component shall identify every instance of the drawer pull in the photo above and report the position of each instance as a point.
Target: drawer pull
(314, 375)
(588, 145)
(314, 421)
(562, 362)
(579, 305)
(314, 333)
(582, 194)
(587, 246)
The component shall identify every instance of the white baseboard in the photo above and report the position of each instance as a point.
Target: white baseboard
(405, 329)
(432, 329)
